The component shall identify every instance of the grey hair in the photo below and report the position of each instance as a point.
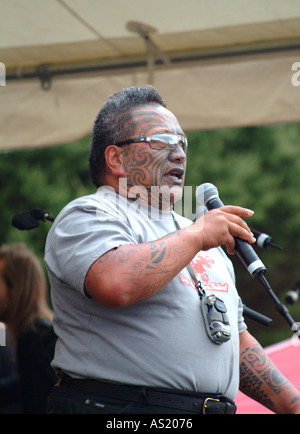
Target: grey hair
(112, 126)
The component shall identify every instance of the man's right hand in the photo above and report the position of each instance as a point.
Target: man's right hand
(220, 226)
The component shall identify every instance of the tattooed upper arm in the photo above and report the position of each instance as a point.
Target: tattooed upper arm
(131, 273)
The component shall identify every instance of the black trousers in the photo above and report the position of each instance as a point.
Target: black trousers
(65, 400)
(73, 396)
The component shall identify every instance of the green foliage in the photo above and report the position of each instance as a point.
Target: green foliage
(41, 178)
(254, 167)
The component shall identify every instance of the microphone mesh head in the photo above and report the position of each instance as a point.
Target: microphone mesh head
(24, 221)
(205, 192)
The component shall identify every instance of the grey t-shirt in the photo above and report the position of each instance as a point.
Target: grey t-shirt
(159, 342)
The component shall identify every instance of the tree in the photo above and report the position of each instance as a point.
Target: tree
(41, 178)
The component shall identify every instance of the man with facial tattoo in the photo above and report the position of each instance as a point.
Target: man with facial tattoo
(125, 273)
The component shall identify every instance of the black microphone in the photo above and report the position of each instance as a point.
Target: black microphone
(292, 296)
(264, 240)
(30, 220)
(208, 194)
(25, 221)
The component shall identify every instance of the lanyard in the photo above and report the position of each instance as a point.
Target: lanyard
(190, 269)
(213, 309)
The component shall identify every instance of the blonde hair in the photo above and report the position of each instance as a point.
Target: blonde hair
(27, 289)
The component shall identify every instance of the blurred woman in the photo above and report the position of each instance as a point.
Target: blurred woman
(25, 312)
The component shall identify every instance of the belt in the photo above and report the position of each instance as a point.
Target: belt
(188, 401)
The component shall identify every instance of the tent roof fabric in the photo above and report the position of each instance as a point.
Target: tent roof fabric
(46, 31)
(285, 355)
(215, 63)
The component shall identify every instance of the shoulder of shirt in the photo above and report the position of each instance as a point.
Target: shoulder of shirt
(75, 204)
(91, 200)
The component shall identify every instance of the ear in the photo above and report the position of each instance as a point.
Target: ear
(114, 161)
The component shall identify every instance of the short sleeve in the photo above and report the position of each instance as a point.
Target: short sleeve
(82, 233)
(242, 326)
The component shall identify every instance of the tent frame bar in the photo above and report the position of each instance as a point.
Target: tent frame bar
(45, 72)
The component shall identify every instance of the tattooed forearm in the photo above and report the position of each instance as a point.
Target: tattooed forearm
(255, 360)
(255, 370)
(262, 381)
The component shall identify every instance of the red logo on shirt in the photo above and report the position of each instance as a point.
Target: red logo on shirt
(201, 265)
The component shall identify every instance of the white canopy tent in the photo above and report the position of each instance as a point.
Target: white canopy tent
(217, 63)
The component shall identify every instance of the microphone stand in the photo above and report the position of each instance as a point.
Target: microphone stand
(42, 215)
(208, 195)
(256, 316)
(281, 308)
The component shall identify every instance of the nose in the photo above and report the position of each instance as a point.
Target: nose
(178, 154)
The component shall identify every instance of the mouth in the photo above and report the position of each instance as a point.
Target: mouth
(176, 175)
